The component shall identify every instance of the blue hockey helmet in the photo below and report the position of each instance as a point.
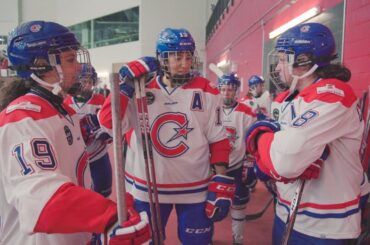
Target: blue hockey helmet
(39, 40)
(174, 40)
(229, 79)
(254, 80)
(312, 39)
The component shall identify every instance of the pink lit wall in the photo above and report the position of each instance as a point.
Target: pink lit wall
(243, 31)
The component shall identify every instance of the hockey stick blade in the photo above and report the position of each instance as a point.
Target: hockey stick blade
(249, 217)
(215, 70)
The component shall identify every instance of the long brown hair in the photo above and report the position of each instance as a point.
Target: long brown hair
(337, 71)
(12, 89)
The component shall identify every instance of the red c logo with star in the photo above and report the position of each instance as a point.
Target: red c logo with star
(168, 132)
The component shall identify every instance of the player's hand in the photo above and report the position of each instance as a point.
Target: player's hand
(220, 194)
(313, 171)
(136, 69)
(89, 125)
(256, 130)
(136, 230)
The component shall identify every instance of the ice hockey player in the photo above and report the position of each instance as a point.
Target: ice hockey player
(86, 104)
(315, 138)
(187, 136)
(237, 118)
(42, 197)
(258, 98)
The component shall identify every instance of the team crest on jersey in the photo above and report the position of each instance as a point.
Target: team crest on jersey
(232, 136)
(275, 114)
(169, 133)
(150, 98)
(69, 135)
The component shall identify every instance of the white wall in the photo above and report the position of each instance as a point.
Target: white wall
(8, 16)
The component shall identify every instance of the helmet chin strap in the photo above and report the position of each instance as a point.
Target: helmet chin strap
(56, 86)
(296, 78)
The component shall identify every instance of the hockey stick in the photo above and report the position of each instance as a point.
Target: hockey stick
(143, 115)
(119, 163)
(254, 216)
(215, 70)
(293, 211)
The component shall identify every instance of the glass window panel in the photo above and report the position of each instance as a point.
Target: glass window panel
(83, 33)
(116, 28)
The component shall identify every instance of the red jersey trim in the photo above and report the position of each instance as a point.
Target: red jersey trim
(265, 162)
(97, 99)
(246, 109)
(201, 83)
(333, 91)
(324, 206)
(46, 110)
(105, 113)
(75, 209)
(220, 151)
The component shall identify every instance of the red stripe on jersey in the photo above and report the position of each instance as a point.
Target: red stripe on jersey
(75, 209)
(201, 83)
(46, 110)
(179, 185)
(246, 109)
(342, 205)
(81, 168)
(311, 93)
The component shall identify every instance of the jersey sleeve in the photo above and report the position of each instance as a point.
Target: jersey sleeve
(216, 134)
(105, 113)
(326, 117)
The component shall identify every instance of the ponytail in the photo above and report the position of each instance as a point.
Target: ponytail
(12, 89)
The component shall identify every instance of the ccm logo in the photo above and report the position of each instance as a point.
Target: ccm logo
(225, 188)
(198, 231)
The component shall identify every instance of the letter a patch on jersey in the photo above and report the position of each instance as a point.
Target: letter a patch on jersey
(197, 102)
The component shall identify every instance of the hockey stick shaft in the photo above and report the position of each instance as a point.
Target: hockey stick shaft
(215, 70)
(149, 162)
(293, 212)
(119, 163)
(257, 215)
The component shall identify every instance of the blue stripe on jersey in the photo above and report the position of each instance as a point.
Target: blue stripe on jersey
(330, 215)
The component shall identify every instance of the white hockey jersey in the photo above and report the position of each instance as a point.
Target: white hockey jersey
(41, 155)
(322, 114)
(92, 106)
(260, 105)
(236, 121)
(96, 149)
(183, 123)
